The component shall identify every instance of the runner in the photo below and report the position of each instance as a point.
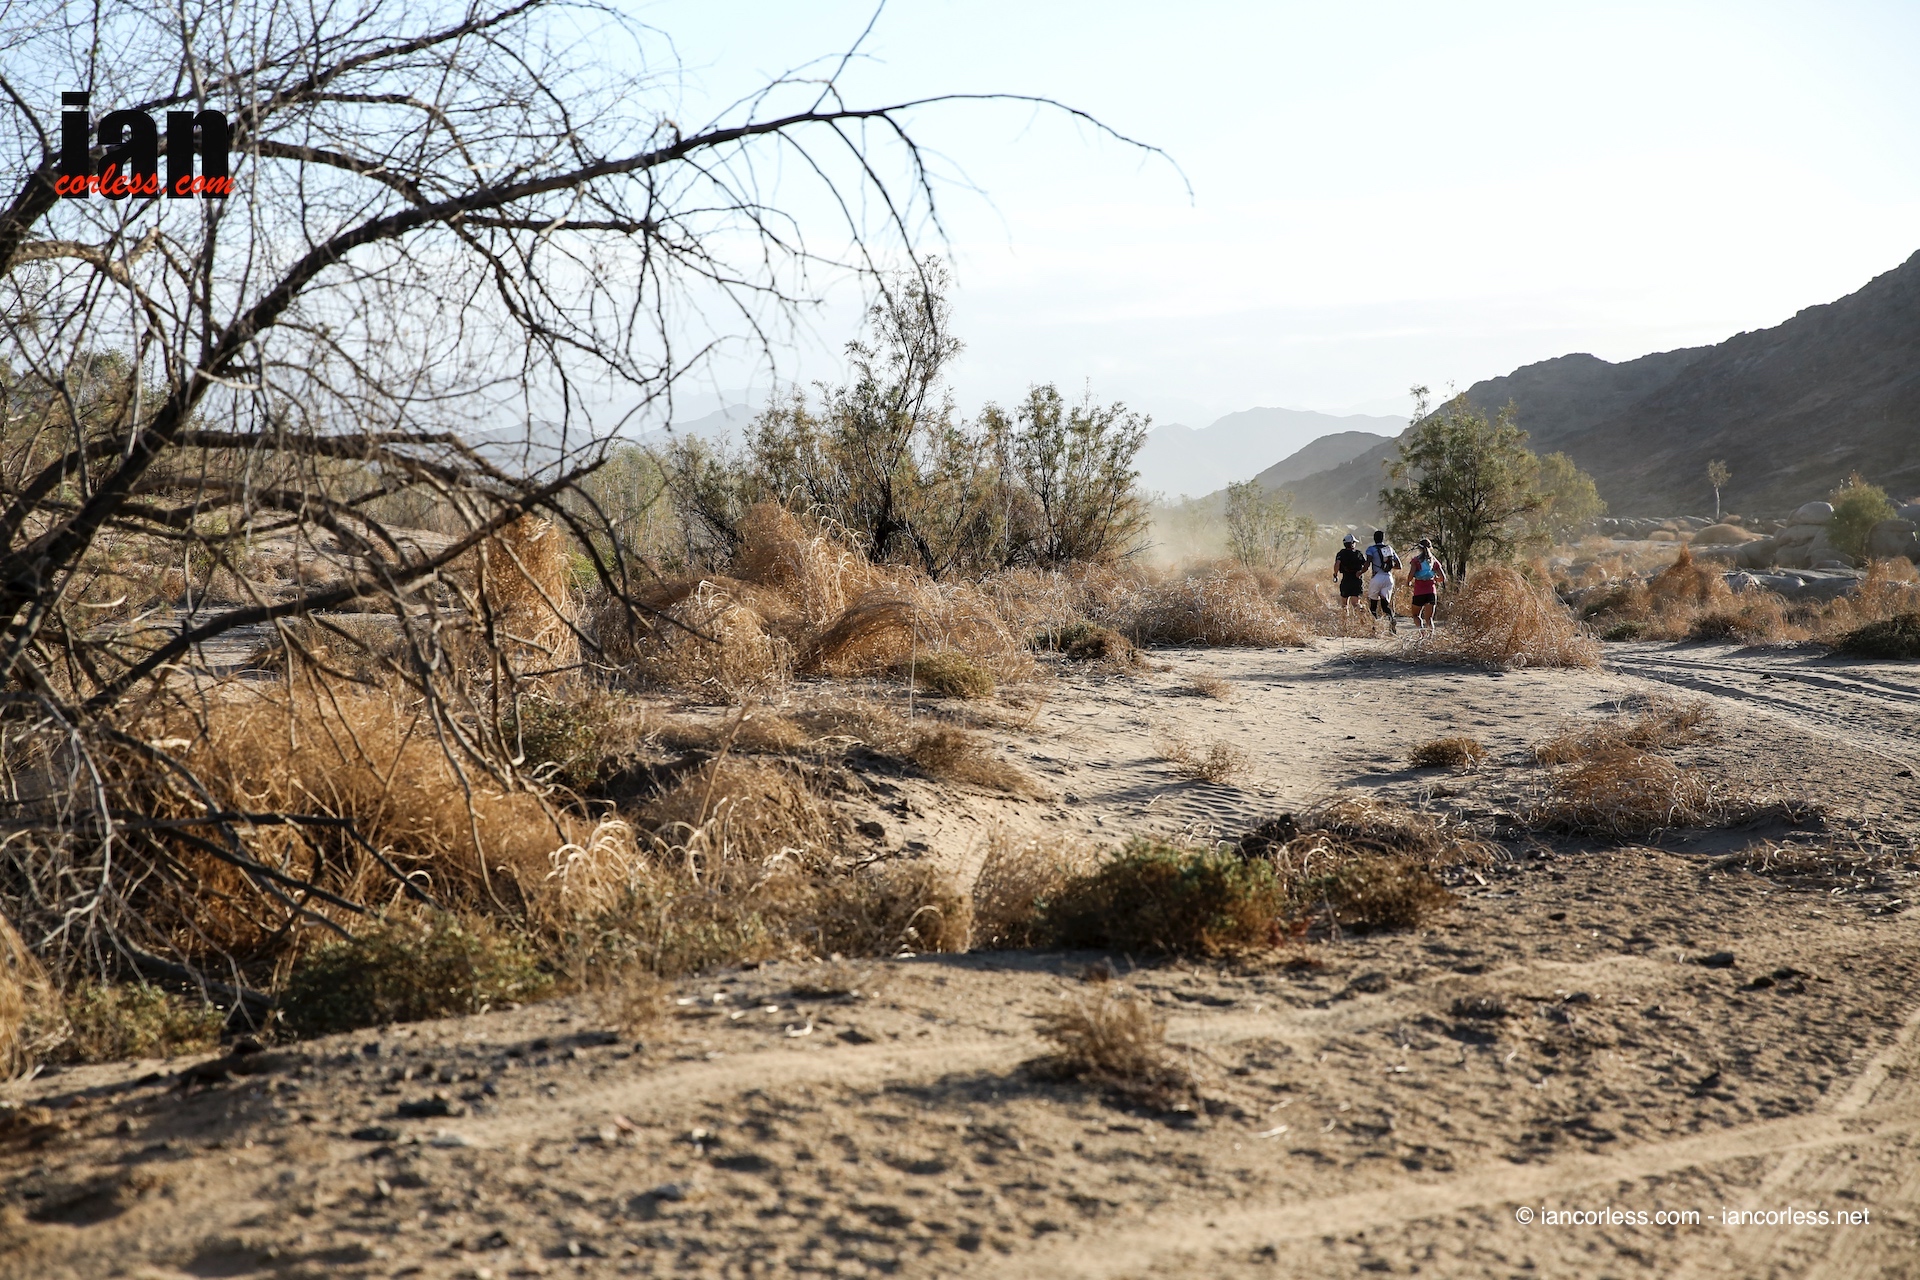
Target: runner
(1348, 565)
(1427, 576)
(1383, 561)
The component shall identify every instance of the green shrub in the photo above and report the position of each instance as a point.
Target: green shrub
(1624, 631)
(953, 675)
(558, 741)
(1895, 637)
(111, 1022)
(1153, 897)
(406, 971)
(1857, 507)
(1366, 893)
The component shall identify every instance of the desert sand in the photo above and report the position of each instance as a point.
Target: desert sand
(1603, 1028)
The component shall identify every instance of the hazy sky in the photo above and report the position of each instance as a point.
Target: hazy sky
(1382, 194)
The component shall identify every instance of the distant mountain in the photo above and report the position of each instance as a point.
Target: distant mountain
(1792, 409)
(721, 429)
(1186, 460)
(1327, 451)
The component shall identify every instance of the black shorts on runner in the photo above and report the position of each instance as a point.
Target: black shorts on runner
(1421, 602)
(1350, 586)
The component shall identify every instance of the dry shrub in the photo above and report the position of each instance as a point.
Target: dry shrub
(1687, 583)
(1112, 1038)
(408, 970)
(1631, 793)
(110, 1022)
(889, 909)
(1016, 881)
(629, 1000)
(526, 582)
(1499, 619)
(1754, 617)
(1154, 897)
(368, 759)
(31, 1023)
(758, 732)
(1089, 642)
(944, 751)
(1224, 607)
(1645, 724)
(1221, 762)
(1897, 637)
(1847, 862)
(1723, 535)
(1448, 753)
(710, 641)
(752, 804)
(952, 675)
(1210, 687)
(1363, 865)
(856, 720)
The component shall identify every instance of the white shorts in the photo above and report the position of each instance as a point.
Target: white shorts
(1380, 587)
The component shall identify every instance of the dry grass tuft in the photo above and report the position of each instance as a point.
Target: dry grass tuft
(1221, 762)
(760, 732)
(1755, 617)
(953, 754)
(749, 804)
(1499, 619)
(952, 675)
(720, 646)
(1646, 724)
(891, 909)
(526, 585)
(31, 1024)
(1210, 687)
(1089, 642)
(1632, 793)
(1110, 1037)
(406, 970)
(1448, 753)
(1225, 607)
(1016, 881)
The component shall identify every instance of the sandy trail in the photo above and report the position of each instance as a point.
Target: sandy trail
(1358, 1122)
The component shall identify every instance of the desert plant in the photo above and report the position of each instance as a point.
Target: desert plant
(1626, 792)
(1895, 637)
(952, 675)
(1369, 892)
(1015, 882)
(1112, 1038)
(1210, 687)
(1500, 619)
(108, 1022)
(1088, 642)
(1219, 762)
(1467, 482)
(1448, 753)
(31, 1023)
(1154, 897)
(1717, 475)
(952, 753)
(1642, 724)
(1066, 472)
(404, 970)
(1857, 507)
(1263, 531)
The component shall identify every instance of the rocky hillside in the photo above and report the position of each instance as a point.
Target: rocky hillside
(1182, 460)
(1792, 409)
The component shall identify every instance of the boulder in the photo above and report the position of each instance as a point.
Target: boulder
(1820, 551)
(1799, 535)
(1891, 538)
(1722, 535)
(1758, 554)
(1812, 513)
(1909, 512)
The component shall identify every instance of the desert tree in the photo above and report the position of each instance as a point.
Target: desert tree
(1262, 529)
(454, 229)
(1568, 499)
(1067, 479)
(1717, 476)
(1469, 483)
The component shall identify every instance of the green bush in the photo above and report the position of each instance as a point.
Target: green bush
(1153, 897)
(111, 1022)
(558, 741)
(1895, 637)
(1624, 631)
(1857, 507)
(1371, 892)
(406, 971)
(953, 675)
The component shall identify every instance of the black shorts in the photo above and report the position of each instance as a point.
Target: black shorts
(1421, 602)
(1350, 585)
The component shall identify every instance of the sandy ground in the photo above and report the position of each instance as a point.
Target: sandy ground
(1391, 1105)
